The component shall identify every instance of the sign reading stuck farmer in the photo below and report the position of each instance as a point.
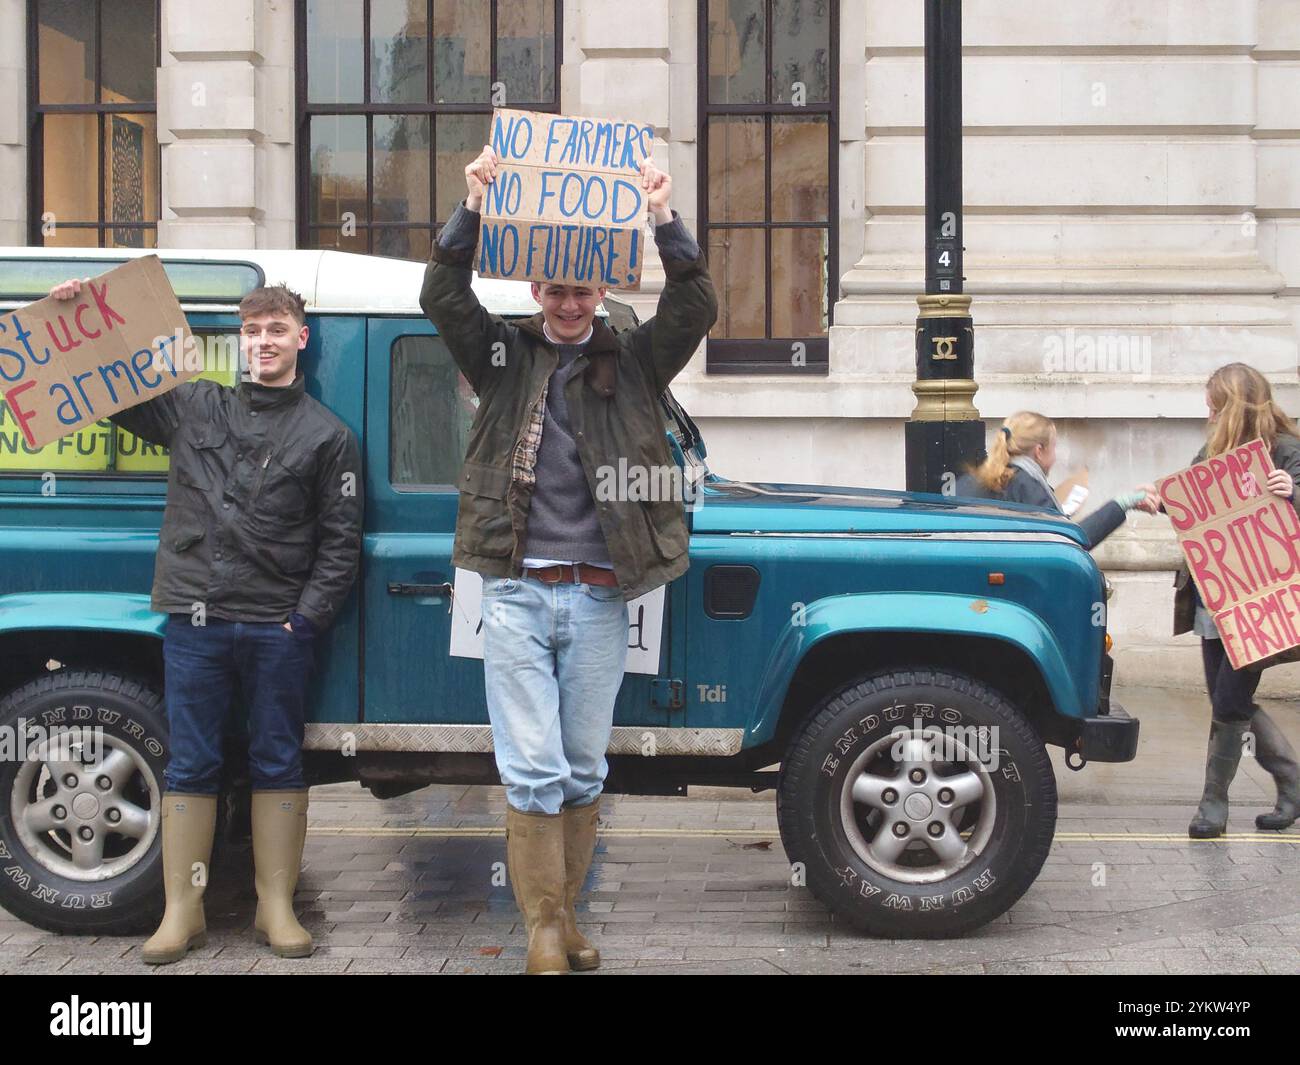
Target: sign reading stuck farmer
(1243, 549)
(64, 365)
(567, 205)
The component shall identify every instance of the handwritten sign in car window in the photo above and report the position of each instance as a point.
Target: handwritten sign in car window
(645, 624)
(1242, 545)
(65, 364)
(567, 205)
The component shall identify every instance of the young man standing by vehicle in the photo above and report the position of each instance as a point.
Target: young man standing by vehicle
(259, 547)
(560, 398)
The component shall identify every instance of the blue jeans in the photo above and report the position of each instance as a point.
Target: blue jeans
(203, 664)
(553, 658)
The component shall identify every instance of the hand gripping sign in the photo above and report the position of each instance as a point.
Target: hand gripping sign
(1242, 544)
(64, 364)
(567, 205)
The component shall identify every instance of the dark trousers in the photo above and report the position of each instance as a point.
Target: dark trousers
(203, 665)
(1232, 691)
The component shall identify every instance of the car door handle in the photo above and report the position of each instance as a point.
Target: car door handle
(394, 588)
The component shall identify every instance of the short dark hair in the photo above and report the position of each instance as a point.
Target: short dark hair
(274, 299)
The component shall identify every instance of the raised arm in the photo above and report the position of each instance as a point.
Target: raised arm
(447, 298)
(688, 305)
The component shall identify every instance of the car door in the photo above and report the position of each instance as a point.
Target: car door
(418, 413)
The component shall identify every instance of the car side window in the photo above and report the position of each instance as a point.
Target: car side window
(101, 448)
(431, 407)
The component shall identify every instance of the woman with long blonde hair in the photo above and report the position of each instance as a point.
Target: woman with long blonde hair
(1019, 459)
(1241, 409)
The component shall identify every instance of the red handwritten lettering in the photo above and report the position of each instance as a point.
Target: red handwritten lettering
(21, 415)
(101, 301)
(67, 343)
(82, 325)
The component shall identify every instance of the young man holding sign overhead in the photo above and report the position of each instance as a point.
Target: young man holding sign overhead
(561, 397)
(258, 549)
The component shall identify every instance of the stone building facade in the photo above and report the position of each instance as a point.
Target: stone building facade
(1132, 188)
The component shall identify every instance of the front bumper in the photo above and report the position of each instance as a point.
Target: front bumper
(1112, 737)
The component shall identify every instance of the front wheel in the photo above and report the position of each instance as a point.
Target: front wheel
(79, 803)
(919, 804)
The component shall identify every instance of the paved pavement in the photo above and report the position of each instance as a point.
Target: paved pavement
(700, 884)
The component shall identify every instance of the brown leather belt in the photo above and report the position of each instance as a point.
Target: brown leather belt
(576, 573)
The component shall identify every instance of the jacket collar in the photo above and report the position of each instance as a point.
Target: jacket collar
(603, 341)
(1035, 471)
(262, 397)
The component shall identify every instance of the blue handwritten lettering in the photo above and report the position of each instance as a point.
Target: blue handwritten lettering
(140, 364)
(506, 136)
(634, 192)
(504, 194)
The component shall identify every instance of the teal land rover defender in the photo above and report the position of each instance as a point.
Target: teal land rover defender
(893, 665)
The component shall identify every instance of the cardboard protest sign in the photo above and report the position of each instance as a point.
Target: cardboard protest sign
(567, 205)
(1243, 549)
(67, 363)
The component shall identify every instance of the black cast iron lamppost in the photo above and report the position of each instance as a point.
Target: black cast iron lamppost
(945, 432)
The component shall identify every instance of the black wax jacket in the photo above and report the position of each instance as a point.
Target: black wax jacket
(264, 508)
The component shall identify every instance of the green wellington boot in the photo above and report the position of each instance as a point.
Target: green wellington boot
(188, 824)
(279, 833)
(1276, 755)
(1221, 762)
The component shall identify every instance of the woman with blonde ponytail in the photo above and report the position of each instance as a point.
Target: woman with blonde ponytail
(1019, 459)
(1241, 409)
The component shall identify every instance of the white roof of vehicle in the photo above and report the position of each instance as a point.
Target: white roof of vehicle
(331, 282)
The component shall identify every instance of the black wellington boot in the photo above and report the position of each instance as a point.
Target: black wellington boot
(1275, 754)
(1221, 761)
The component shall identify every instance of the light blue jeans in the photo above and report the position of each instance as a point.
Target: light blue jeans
(553, 659)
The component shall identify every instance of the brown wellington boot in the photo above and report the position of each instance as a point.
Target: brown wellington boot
(188, 824)
(535, 858)
(279, 832)
(579, 845)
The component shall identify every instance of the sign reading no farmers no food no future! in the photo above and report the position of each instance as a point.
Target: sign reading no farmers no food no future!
(1242, 544)
(567, 205)
(67, 363)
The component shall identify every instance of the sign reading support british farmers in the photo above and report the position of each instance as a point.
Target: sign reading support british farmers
(1243, 549)
(567, 205)
(64, 364)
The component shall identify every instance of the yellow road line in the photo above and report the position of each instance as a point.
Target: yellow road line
(756, 833)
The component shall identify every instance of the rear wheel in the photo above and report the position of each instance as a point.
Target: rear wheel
(79, 802)
(918, 803)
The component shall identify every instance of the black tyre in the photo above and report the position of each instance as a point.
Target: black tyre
(919, 804)
(80, 847)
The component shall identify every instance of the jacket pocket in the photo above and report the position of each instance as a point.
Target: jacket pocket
(667, 525)
(182, 528)
(483, 515)
(197, 462)
(285, 495)
(291, 558)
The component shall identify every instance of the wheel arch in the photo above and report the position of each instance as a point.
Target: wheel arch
(91, 630)
(843, 637)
